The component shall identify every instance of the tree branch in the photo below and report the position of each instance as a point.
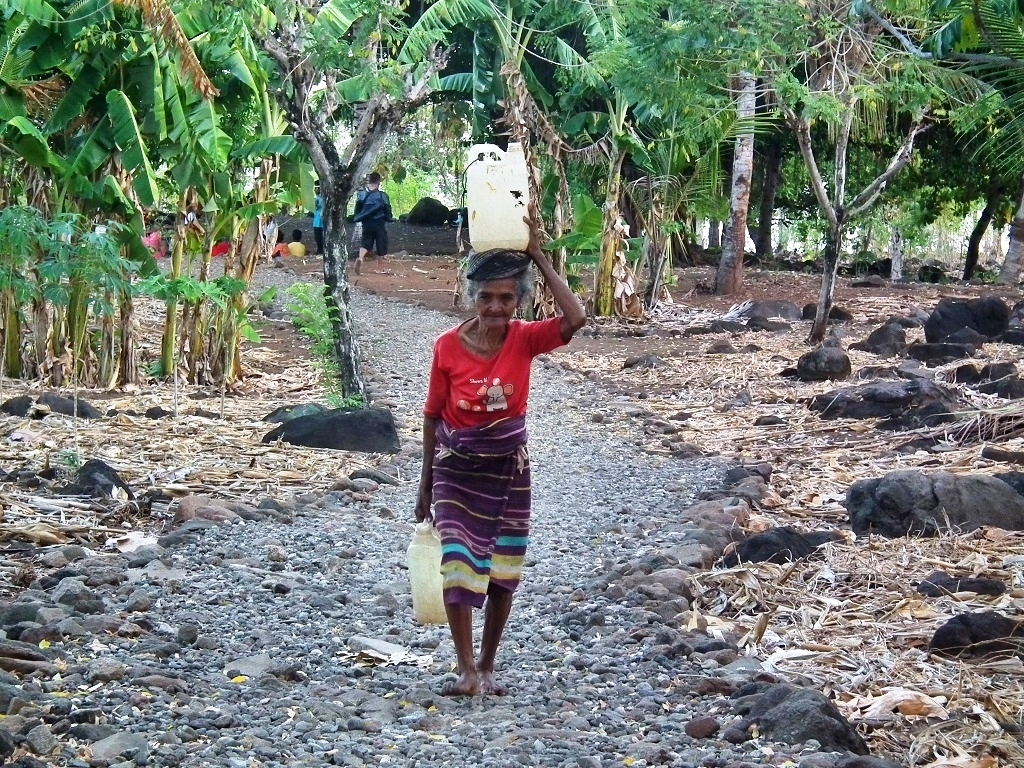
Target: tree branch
(870, 194)
(916, 51)
(802, 129)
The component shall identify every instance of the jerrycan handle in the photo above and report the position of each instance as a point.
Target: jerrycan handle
(484, 153)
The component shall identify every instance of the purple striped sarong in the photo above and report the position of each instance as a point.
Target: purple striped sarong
(482, 507)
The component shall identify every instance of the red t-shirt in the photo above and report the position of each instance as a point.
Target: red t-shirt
(468, 391)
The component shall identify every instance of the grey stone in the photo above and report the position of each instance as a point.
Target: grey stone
(123, 744)
(900, 404)
(822, 364)
(41, 740)
(104, 669)
(138, 601)
(921, 503)
(70, 591)
(250, 666)
(19, 612)
(797, 715)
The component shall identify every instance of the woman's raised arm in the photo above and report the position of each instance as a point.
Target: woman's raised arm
(574, 316)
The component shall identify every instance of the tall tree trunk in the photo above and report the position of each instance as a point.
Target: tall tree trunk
(1010, 273)
(128, 363)
(336, 289)
(897, 248)
(168, 343)
(604, 280)
(729, 278)
(833, 247)
(974, 242)
(714, 234)
(769, 190)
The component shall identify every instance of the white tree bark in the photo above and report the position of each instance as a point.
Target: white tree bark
(1010, 273)
(729, 278)
(897, 246)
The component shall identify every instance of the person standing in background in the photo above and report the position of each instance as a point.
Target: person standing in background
(318, 221)
(373, 211)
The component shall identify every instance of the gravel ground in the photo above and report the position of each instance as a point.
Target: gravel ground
(233, 645)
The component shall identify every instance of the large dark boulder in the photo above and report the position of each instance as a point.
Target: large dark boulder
(365, 430)
(48, 402)
(979, 634)
(823, 364)
(931, 273)
(888, 340)
(796, 715)
(923, 503)
(810, 311)
(66, 406)
(428, 212)
(939, 583)
(968, 337)
(1008, 388)
(288, 412)
(98, 479)
(778, 545)
(901, 404)
(768, 309)
(939, 353)
(987, 315)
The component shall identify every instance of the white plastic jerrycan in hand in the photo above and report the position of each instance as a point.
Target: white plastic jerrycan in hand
(425, 575)
(498, 197)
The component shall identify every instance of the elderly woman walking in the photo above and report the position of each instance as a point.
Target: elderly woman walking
(476, 469)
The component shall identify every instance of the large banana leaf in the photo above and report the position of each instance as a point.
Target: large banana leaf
(93, 151)
(82, 90)
(461, 82)
(206, 126)
(438, 20)
(37, 10)
(30, 144)
(133, 146)
(335, 18)
(12, 104)
(270, 145)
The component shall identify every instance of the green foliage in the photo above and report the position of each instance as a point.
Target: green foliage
(309, 315)
(414, 185)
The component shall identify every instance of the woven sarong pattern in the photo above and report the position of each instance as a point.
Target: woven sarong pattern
(482, 507)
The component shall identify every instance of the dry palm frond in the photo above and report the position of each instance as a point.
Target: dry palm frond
(42, 96)
(1000, 423)
(159, 15)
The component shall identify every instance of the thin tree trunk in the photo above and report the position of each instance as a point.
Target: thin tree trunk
(336, 294)
(1010, 273)
(897, 248)
(833, 247)
(974, 242)
(604, 280)
(769, 190)
(729, 278)
(128, 364)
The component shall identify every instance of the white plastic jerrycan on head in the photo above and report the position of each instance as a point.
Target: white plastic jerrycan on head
(498, 197)
(425, 575)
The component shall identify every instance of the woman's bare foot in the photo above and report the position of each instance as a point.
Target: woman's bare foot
(491, 687)
(359, 265)
(468, 684)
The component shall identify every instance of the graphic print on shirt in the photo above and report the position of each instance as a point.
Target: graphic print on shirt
(494, 396)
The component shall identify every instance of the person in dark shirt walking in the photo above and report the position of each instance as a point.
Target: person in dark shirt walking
(373, 211)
